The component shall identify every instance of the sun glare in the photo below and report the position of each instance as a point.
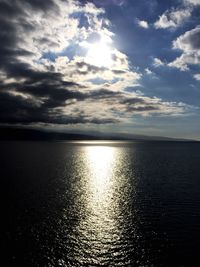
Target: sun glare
(99, 54)
(101, 160)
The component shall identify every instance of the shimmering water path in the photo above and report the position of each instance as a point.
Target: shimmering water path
(100, 204)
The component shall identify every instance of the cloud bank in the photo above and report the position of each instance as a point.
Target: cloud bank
(46, 75)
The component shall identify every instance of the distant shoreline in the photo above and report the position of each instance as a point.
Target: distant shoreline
(27, 134)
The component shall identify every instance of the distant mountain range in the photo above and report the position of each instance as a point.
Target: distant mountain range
(21, 133)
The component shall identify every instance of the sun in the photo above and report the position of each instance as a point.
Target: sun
(99, 54)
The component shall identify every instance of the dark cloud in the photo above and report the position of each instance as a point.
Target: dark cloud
(119, 71)
(13, 7)
(16, 109)
(104, 93)
(144, 108)
(132, 101)
(10, 9)
(40, 5)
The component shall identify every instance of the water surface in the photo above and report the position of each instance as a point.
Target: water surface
(100, 204)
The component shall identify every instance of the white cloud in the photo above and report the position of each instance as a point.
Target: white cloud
(189, 41)
(157, 62)
(57, 29)
(197, 76)
(192, 2)
(189, 44)
(148, 71)
(172, 18)
(143, 24)
(126, 105)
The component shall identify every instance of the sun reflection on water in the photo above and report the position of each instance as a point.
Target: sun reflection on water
(99, 232)
(98, 228)
(101, 163)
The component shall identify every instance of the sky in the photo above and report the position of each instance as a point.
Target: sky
(119, 66)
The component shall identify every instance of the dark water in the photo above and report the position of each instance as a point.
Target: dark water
(94, 204)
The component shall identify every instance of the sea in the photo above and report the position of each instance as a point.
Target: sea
(100, 203)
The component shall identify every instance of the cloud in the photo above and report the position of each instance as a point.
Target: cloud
(142, 23)
(189, 44)
(189, 41)
(197, 76)
(121, 106)
(157, 62)
(106, 2)
(173, 18)
(148, 71)
(45, 74)
(192, 2)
